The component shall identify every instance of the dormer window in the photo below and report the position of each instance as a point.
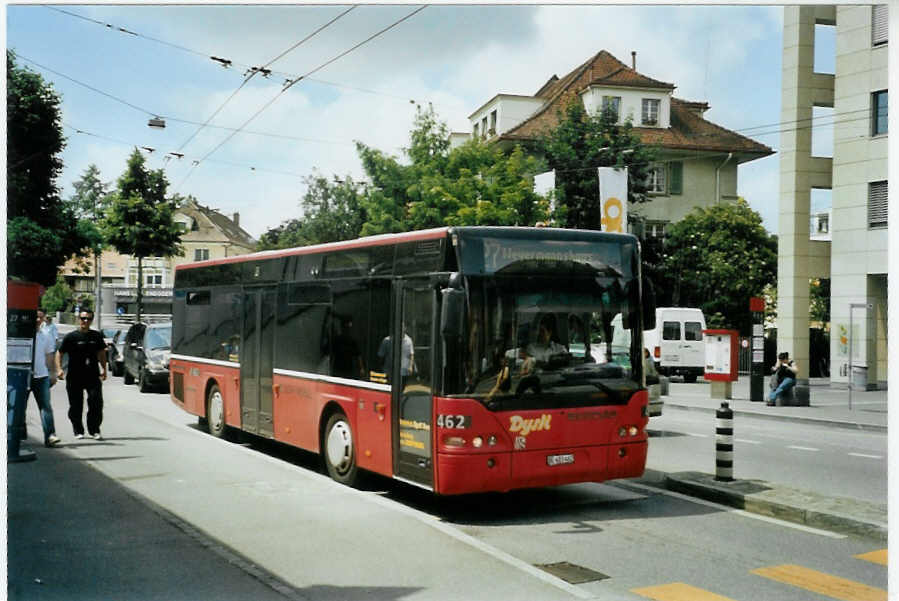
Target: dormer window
(612, 103)
(650, 114)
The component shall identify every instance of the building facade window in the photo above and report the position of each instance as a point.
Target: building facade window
(676, 177)
(493, 122)
(153, 280)
(484, 126)
(879, 116)
(650, 115)
(612, 103)
(656, 179)
(877, 205)
(880, 24)
(201, 254)
(474, 130)
(656, 229)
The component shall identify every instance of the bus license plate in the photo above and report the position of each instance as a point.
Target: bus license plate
(552, 460)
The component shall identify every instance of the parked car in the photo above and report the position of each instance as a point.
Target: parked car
(114, 356)
(146, 355)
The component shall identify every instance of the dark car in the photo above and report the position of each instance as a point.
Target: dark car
(146, 355)
(115, 344)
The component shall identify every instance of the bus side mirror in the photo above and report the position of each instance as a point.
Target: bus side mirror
(452, 317)
(648, 304)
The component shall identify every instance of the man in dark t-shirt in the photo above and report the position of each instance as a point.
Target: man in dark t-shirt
(87, 353)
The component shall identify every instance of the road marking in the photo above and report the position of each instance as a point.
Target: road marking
(678, 591)
(879, 557)
(697, 435)
(740, 512)
(797, 448)
(821, 583)
(866, 456)
(748, 441)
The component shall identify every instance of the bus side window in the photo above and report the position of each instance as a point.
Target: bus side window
(349, 330)
(301, 343)
(377, 357)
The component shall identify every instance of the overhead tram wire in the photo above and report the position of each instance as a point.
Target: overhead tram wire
(286, 75)
(319, 68)
(822, 121)
(254, 71)
(165, 153)
(177, 119)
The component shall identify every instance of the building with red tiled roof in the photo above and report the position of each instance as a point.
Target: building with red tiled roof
(697, 159)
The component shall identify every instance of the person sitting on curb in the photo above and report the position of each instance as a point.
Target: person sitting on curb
(786, 371)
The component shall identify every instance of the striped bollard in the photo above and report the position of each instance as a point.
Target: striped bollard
(724, 443)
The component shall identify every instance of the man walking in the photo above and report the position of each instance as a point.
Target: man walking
(87, 352)
(45, 372)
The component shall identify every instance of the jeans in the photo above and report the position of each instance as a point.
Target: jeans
(785, 386)
(40, 388)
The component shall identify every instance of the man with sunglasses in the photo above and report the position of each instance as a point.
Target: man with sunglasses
(87, 353)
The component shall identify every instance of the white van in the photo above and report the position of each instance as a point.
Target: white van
(676, 343)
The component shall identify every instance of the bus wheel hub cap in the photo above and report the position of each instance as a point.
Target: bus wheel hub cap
(340, 445)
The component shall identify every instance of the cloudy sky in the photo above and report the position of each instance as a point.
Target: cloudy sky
(456, 57)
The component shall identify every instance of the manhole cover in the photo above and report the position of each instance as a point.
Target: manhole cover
(571, 573)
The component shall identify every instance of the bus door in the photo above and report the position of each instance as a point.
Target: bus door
(256, 360)
(410, 376)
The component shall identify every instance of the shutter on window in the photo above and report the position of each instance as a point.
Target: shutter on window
(879, 24)
(877, 204)
(676, 185)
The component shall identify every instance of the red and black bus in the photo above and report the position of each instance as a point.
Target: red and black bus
(519, 361)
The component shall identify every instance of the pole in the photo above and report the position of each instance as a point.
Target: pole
(98, 308)
(724, 443)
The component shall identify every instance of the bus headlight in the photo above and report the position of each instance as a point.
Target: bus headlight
(632, 430)
(454, 441)
(477, 442)
(491, 440)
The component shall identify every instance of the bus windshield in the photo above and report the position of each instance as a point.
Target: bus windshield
(540, 341)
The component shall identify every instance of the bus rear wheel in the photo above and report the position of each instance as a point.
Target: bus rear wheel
(339, 451)
(215, 412)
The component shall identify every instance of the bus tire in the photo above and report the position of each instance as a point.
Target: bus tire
(215, 412)
(338, 450)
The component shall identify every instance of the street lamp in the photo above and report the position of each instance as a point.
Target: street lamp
(157, 122)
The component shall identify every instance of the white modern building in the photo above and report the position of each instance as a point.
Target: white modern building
(855, 256)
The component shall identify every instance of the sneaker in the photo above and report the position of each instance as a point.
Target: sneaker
(79, 436)
(96, 436)
(52, 441)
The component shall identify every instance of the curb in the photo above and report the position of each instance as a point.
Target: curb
(806, 420)
(755, 502)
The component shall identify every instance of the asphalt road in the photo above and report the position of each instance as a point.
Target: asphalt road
(274, 509)
(832, 461)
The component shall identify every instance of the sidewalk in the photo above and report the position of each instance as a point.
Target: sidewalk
(828, 405)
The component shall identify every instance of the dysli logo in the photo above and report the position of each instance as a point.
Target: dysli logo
(526, 426)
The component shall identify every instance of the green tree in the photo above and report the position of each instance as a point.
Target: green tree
(819, 300)
(41, 229)
(90, 202)
(57, 297)
(716, 258)
(583, 142)
(140, 220)
(473, 184)
(332, 211)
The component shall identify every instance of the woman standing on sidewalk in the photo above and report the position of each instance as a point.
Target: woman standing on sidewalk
(786, 371)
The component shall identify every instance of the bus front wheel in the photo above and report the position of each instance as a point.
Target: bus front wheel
(338, 450)
(215, 412)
